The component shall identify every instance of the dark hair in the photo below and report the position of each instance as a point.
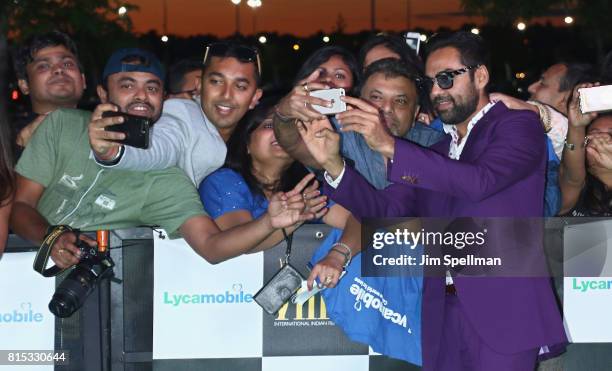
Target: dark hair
(597, 199)
(576, 73)
(322, 55)
(232, 49)
(24, 54)
(239, 160)
(605, 70)
(392, 68)
(394, 43)
(7, 177)
(471, 47)
(177, 72)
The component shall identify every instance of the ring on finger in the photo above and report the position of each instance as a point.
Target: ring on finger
(328, 280)
(305, 87)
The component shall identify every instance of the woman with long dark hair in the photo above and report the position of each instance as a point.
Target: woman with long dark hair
(328, 67)
(334, 66)
(255, 168)
(7, 184)
(585, 176)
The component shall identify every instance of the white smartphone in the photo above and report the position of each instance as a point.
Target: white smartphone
(596, 99)
(332, 95)
(413, 39)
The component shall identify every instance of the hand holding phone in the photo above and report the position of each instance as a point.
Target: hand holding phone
(332, 95)
(135, 128)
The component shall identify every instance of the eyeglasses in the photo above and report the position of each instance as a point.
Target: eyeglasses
(445, 79)
(241, 52)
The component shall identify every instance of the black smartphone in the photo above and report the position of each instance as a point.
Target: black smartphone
(135, 128)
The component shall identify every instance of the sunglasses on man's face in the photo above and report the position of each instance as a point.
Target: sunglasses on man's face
(242, 52)
(445, 79)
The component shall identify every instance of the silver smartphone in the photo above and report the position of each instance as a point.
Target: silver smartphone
(332, 95)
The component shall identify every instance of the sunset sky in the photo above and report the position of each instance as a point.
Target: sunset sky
(299, 17)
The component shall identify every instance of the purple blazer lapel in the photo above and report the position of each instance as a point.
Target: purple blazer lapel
(476, 141)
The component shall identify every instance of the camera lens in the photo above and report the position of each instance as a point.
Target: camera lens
(72, 292)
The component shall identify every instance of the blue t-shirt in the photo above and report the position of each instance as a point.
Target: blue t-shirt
(225, 191)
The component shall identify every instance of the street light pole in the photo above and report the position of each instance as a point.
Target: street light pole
(237, 19)
(165, 15)
(373, 14)
(408, 14)
(254, 4)
(237, 4)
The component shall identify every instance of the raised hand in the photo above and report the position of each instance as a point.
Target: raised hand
(323, 143)
(600, 150)
(575, 116)
(315, 202)
(298, 103)
(288, 208)
(367, 120)
(102, 142)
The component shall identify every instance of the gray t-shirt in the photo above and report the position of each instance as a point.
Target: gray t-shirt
(182, 137)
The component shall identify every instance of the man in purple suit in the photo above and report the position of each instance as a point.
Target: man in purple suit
(492, 165)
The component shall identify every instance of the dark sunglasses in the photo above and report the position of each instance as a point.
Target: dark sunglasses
(242, 52)
(444, 79)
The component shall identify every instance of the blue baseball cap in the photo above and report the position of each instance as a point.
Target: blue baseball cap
(122, 61)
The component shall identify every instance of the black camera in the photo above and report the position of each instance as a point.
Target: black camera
(93, 267)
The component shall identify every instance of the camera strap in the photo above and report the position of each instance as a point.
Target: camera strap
(289, 241)
(44, 252)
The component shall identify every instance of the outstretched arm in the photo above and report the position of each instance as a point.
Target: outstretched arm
(285, 210)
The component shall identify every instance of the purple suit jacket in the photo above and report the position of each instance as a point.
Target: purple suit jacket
(500, 174)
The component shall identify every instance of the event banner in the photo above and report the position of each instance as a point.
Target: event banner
(587, 289)
(205, 316)
(202, 310)
(26, 324)
(206, 313)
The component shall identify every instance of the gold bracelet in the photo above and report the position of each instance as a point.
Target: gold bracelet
(544, 115)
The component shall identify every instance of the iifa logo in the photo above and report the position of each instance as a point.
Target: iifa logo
(24, 314)
(297, 310)
(234, 296)
(590, 285)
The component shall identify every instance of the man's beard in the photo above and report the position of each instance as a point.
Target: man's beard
(459, 112)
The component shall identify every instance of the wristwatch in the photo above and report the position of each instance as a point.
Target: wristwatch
(572, 146)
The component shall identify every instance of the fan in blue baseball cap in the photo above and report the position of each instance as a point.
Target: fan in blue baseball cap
(132, 82)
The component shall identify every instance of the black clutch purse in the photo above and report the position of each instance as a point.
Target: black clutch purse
(281, 287)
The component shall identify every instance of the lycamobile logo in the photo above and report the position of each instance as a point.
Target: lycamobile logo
(233, 296)
(586, 285)
(23, 314)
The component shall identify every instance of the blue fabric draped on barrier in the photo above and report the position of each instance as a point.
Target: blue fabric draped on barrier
(383, 312)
